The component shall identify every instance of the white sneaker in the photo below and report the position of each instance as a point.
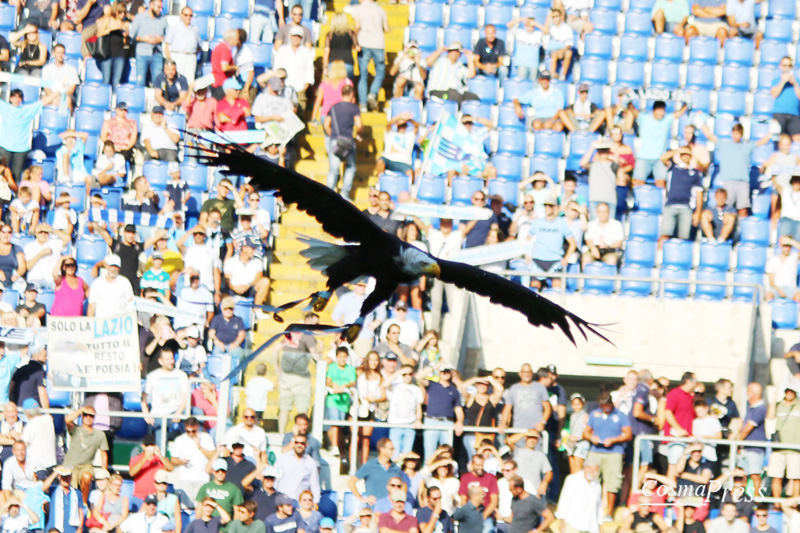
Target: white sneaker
(261, 315)
(335, 451)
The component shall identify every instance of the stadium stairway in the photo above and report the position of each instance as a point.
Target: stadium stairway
(292, 279)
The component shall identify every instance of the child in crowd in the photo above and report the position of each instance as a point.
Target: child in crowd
(340, 378)
(577, 447)
(155, 277)
(540, 186)
(706, 426)
(193, 358)
(257, 389)
(177, 189)
(15, 521)
(110, 169)
(24, 212)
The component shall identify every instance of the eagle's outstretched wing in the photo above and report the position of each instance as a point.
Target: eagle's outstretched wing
(539, 310)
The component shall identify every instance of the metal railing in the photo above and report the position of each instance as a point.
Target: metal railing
(732, 444)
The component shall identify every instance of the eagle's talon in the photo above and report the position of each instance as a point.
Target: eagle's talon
(351, 333)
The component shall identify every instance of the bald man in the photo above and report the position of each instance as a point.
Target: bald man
(753, 429)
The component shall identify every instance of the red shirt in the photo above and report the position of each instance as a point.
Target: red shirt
(406, 524)
(144, 482)
(235, 112)
(487, 482)
(221, 54)
(681, 403)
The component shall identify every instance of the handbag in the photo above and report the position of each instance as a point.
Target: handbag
(92, 520)
(341, 145)
(776, 436)
(99, 46)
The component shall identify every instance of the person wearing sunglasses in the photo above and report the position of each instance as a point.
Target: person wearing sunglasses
(432, 517)
(85, 442)
(249, 433)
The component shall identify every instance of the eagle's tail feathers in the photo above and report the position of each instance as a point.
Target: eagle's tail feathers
(321, 255)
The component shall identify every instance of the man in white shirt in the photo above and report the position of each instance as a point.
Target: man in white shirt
(18, 472)
(196, 299)
(182, 43)
(190, 454)
(728, 522)
(398, 146)
(298, 62)
(269, 106)
(145, 520)
(166, 391)
(245, 274)
(505, 497)
(41, 257)
(201, 259)
(159, 140)
(248, 433)
(443, 244)
(110, 294)
(580, 506)
(40, 436)
(409, 329)
(244, 60)
(782, 272)
(62, 73)
(603, 237)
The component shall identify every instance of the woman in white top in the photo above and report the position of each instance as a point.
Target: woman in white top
(779, 169)
(790, 208)
(371, 394)
(441, 474)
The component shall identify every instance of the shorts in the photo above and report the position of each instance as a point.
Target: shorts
(751, 461)
(395, 166)
(332, 413)
(675, 452)
(581, 449)
(738, 193)
(78, 471)
(790, 227)
(677, 217)
(646, 452)
(709, 29)
(538, 266)
(669, 27)
(790, 124)
(610, 470)
(784, 464)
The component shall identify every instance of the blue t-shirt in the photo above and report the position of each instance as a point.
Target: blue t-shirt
(442, 401)
(227, 330)
(8, 364)
(709, 3)
(681, 183)
(16, 125)
(545, 104)
(734, 160)
(608, 426)
(171, 90)
(443, 525)
(641, 396)
(290, 524)
(756, 414)
(787, 102)
(654, 134)
(550, 236)
(376, 477)
(742, 11)
(265, 5)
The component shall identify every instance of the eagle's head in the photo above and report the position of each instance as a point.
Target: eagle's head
(415, 262)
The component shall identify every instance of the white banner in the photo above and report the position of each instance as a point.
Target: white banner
(93, 353)
(284, 131)
(454, 212)
(157, 308)
(490, 253)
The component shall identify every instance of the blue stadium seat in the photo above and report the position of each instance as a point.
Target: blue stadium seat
(550, 143)
(665, 75)
(96, 96)
(507, 117)
(597, 45)
(704, 50)
(701, 98)
(425, 36)
(156, 173)
(715, 256)
(22, 239)
(758, 130)
(132, 401)
(435, 108)
(669, 48)
(58, 398)
(350, 504)
(508, 189)
(329, 503)
(579, 143)
(636, 288)
(11, 297)
(614, 5)
(201, 22)
(262, 56)
(459, 34)
(508, 166)
(754, 230)
(90, 250)
(132, 429)
(516, 88)
(485, 88)
(649, 199)
(266, 200)
(133, 95)
(244, 310)
(394, 184)
(747, 294)
(92, 74)
(201, 7)
(599, 286)
(761, 203)
(751, 257)
(644, 5)
(499, 15)
(630, 72)
(767, 76)
(781, 9)
(429, 13)
(71, 41)
(677, 253)
(112, 196)
(46, 298)
(463, 189)
(778, 30)
(195, 176)
(52, 120)
(432, 189)
(45, 144)
(763, 103)
(223, 23)
(772, 52)
(784, 314)
(511, 142)
(89, 120)
(406, 105)
(639, 22)
(463, 14)
(546, 164)
(594, 70)
(731, 102)
(735, 77)
(176, 121)
(8, 17)
(740, 51)
(472, 107)
(237, 8)
(30, 93)
(640, 252)
(704, 291)
(633, 47)
(604, 21)
(535, 11)
(643, 225)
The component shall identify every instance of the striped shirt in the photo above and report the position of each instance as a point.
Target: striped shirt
(446, 75)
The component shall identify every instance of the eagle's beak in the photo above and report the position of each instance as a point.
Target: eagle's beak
(433, 270)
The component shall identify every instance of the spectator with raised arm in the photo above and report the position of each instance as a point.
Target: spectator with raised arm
(448, 76)
(786, 92)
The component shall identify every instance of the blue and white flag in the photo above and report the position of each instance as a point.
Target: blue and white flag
(451, 147)
(22, 336)
(123, 216)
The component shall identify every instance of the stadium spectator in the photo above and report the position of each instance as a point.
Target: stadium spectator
(448, 76)
(532, 465)
(679, 415)
(476, 231)
(239, 466)
(110, 508)
(779, 167)
(741, 17)
(528, 39)
(210, 517)
(473, 482)
(112, 27)
(66, 514)
(784, 464)
(298, 471)
(444, 415)
(227, 332)
(301, 426)
(789, 194)
(25, 214)
(376, 474)
(18, 472)
(70, 166)
(245, 519)
(371, 23)
(409, 72)
(121, 130)
(340, 43)
(394, 348)
(329, 92)
(753, 428)
(546, 100)
(583, 114)
(15, 137)
(85, 442)
(654, 130)
(232, 112)
(295, 21)
(710, 20)
(43, 15)
(719, 222)
(146, 468)
(298, 62)
(645, 515)
(166, 392)
(222, 65)
(693, 477)
(602, 176)
(245, 63)
(560, 47)
(181, 44)
(264, 23)
(762, 517)
(786, 92)
(224, 493)
(398, 146)
(342, 122)
(59, 72)
(42, 257)
(171, 87)
(409, 328)
(728, 522)
(294, 383)
(678, 216)
(226, 206)
(547, 254)
(148, 30)
(190, 454)
(470, 517)
(244, 274)
(433, 517)
(263, 492)
(203, 261)
(33, 52)
(530, 513)
(672, 16)
(109, 168)
(405, 408)
(159, 139)
(782, 272)
(340, 378)
(489, 55)
(481, 408)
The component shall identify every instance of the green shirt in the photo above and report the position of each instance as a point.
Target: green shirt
(674, 10)
(257, 526)
(83, 446)
(226, 208)
(226, 495)
(340, 376)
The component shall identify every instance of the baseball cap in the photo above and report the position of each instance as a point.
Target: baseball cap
(113, 260)
(149, 440)
(552, 369)
(297, 30)
(401, 304)
(544, 75)
(158, 255)
(174, 166)
(36, 346)
(63, 471)
(583, 87)
(232, 83)
(158, 109)
(30, 403)
(447, 368)
(390, 356)
(269, 471)
(365, 511)
(122, 105)
(577, 396)
(412, 44)
(326, 523)
(792, 387)
(161, 477)
(220, 464)
(31, 287)
(275, 83)
(282, 499)
(227, 303)
(550, 200)
(237, 444)
(398, 496)
(455, 45)
(193, 332)
(151, 498)
(102, 473)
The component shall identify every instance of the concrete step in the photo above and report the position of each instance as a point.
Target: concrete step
(296, 269)
(296, 286)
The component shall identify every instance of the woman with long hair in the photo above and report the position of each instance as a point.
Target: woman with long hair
(311, 517)
(412, 292)
(7, 184)
(371, 395)
(480, 409)
(110, 509)
(168, 504)
(33, 52)
(114, 26)
(71, 291)
(12, 260)
(340, 43)
(441, 472)
(329, 91)
(430, 355)
(33, 178)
